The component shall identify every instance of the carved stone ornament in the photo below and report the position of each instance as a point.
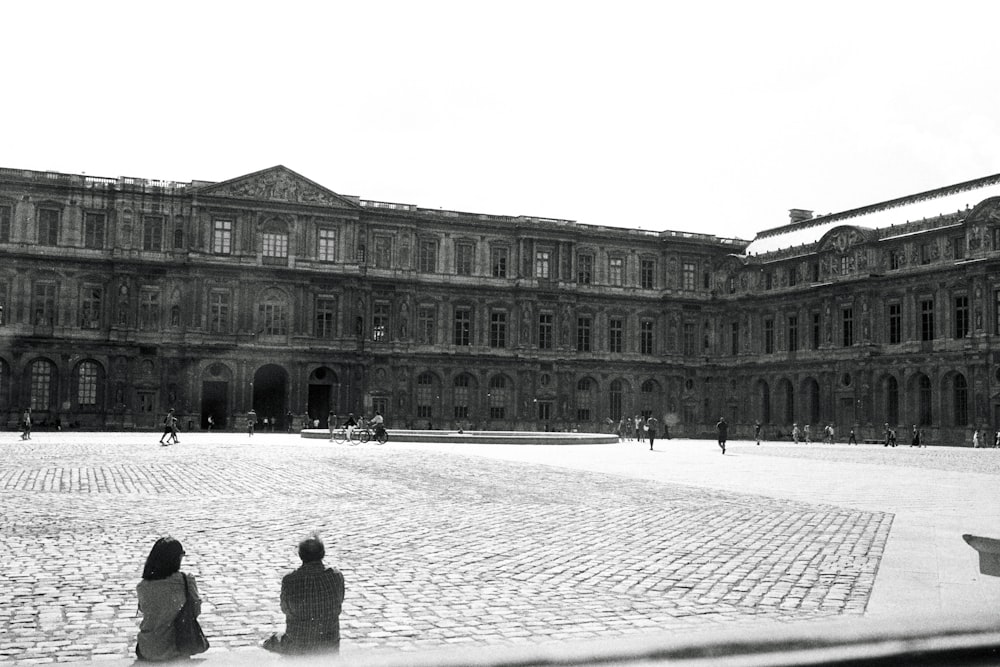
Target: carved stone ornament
(276, 186)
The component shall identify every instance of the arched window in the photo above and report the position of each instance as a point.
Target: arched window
(499, 397)
(961, 400)
(585, 400)
(615, 400)
(650, 398)
(42, 384)
(426, 395)
(924, 412)
(461, 396)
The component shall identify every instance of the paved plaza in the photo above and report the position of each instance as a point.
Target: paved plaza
(481, 545)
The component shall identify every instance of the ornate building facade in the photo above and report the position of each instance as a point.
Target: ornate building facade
(122, 297)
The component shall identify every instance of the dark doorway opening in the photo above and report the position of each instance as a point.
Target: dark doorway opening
(269, 396)
(214, 402)
(319, 403)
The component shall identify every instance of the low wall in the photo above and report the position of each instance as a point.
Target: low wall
(486, 437)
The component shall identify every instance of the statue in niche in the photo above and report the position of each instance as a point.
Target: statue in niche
(404, 316)
(525, 324)
(123, 304)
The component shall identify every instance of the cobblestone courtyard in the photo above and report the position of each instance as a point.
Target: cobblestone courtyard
(436, 548)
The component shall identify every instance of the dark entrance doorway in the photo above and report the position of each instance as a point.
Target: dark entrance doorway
(269, 395)
(215, 402)
(322, 382)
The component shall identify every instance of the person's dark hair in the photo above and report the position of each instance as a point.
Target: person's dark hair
(311, 549)
(164, 559)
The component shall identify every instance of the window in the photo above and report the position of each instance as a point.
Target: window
(845, 265)
(93, 230)
(326, 317)
(847, 319)
(41, 385)
(584, 399)
(498, 329)
(616, 335)
(688, 339)
(427, 256)
(731, 284)
(768, 335)
(616, 271)
(6, 216)
(961, 316)
(152, 233)
(894, 258)
(426, 325)
(583, 334)
(44, 304)
(814, 269)
(816, 329)
(895, 323)
(425, 395)
(646, 337)
(545, 328)
(585, 269)
(48, 226)
(464, 258)
(91, 306)
(86, 384)
(647, 273)
(273, 314)
(218, 311)
(380, 321)
(793, 332)
(687, 275)
(542, 259)
(327, 245)
(275, 247)
(958, 247)
(793, 276)
(926, 319)
(383, 251)
(149, 309)
(222, 237)
(463, 327)
(734, 338)
(461, 396)
(499, 396)
(925, 253)
(498, 261)
(179, 236)
(769, 280)
(544, 410)
(359, 253)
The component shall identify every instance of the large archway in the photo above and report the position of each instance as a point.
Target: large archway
(323, 394)
(810, 395)
(270, 394)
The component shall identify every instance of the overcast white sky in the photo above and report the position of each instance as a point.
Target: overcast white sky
(714, 117)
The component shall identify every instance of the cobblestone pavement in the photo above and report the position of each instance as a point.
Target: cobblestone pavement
(436, 548)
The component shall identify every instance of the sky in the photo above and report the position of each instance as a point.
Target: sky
(711, 116)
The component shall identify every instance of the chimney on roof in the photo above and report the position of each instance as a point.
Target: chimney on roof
(796, 215)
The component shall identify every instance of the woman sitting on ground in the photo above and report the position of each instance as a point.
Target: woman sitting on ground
(161, 595)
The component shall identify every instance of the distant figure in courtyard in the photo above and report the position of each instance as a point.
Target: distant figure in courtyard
(168, 427)
(996, 440)
(211, 422)
(311, 598)
(756, 431)
(251, 421)
(886, 434)
(975, 438)
(622, 429)
(26, 424)
(162, 592)
(174, 427)
(350, 423)
(808, 434)
(650, 427)
(852, 439)
(915, 436)
(289, 418)
(829, 433)
(795, 433)
(723, 429)
(331, 423)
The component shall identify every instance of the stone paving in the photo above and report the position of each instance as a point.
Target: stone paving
(436, 548)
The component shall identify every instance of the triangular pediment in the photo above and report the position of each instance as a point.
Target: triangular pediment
(278, 184)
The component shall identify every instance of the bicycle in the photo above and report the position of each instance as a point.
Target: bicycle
(340, 437)
(365, 433)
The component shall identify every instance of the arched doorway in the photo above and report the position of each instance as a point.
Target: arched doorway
(810, 390)
(215, 382)
(322, 395)
(270, 389)
(786, 393)
(764, 401)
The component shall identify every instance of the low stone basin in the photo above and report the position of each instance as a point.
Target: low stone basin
(486, 437)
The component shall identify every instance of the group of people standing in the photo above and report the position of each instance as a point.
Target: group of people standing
(984, 439)
(311, 599)
(638, 428)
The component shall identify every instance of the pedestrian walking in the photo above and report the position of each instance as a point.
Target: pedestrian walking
(886, 434)
(996, 440)
(795, 433)
(829, 433)
(975, 438)
(289, 419)
(331, 423)
(174, 427)
(162, 592)
(808, 434)
(892, 437)
(650, 427)
(723, 430)
(637, 427)
(622, 429)
(168, 427)
(852, 439)
(756, 431)
(311, 598)
(211, 422)
(251, 421)
(26, 424)
(915, 436)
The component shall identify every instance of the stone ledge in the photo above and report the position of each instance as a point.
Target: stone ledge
(486, 437)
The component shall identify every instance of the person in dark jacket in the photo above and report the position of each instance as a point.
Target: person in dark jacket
(723, 428)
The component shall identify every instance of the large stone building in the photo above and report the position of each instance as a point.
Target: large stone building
(122, 297)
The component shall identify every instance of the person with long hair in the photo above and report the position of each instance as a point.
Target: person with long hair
(161, 595)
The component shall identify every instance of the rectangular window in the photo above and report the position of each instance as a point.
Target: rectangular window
(44, 304)
(544, 411)
(218, 311)
(688, 339)
(222, 237)
(816, 335)
(426, 325)
(274, 319)
(383, 252)
(542, 259)
(6, 218)
(274, 248)
(734, 338)
(585, 269)
(925, 253)
(926, 319)
(768, 335)
(583, 334)
(646, 337)
(86, 388)
(616, 335)
(463, 327)
(895, 323)
(91, 306)
(427, 256)
(616, 271)
(152, 233)
(815, 271)
(961, 316)
(380, 321)
(498, 261)
(793, 333)
(149, 310)
(647, 274)
(93, 230)
(958, 247)
(498, 329)
(847, 320)
(41, 385)
(688, 271)
(845, 265)
(48, 226)
(769, 280)
(893, 260)
(545, 331)
(465, 259)
(326, 317)
(326, 246)
(793, 277)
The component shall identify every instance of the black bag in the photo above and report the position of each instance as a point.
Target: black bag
(188, 636)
